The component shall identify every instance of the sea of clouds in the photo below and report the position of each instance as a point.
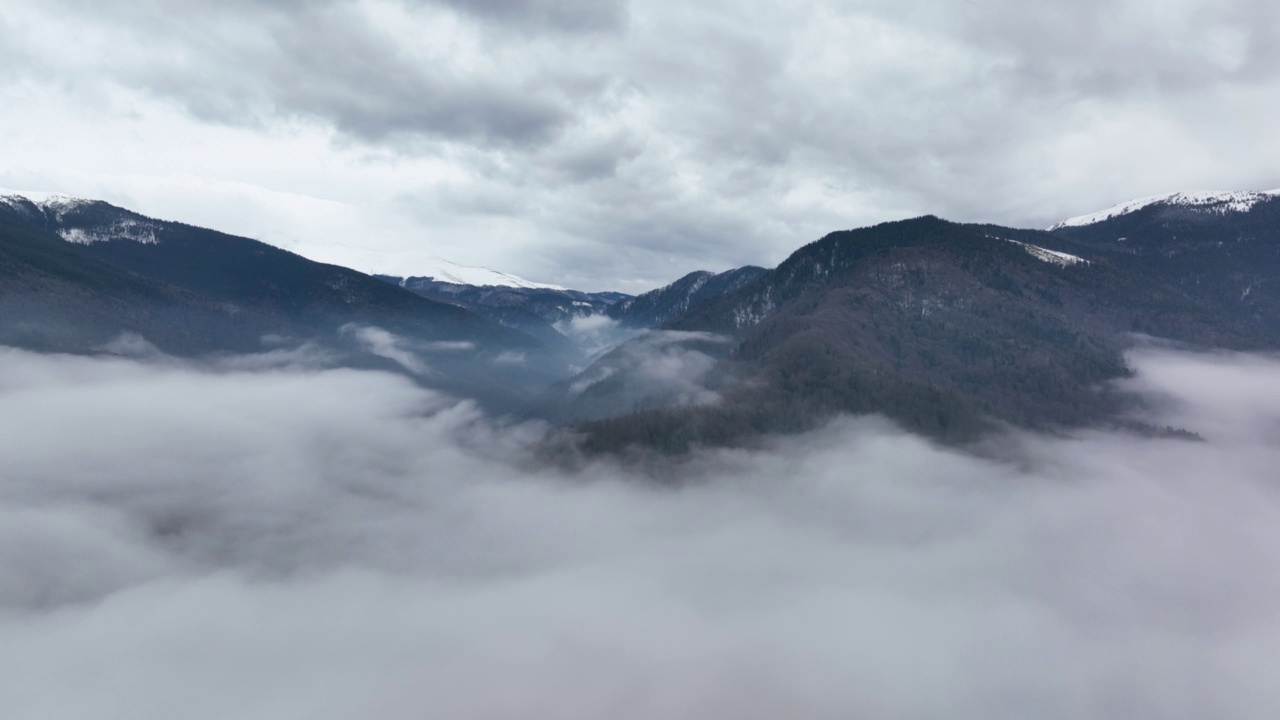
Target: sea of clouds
(266, 538)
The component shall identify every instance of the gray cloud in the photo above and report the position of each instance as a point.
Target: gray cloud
(596, 334)
(565, 15)
(222, 542)
(257, 63)
(388, 345)
(639, 141)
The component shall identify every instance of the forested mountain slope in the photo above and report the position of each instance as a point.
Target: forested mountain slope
(945, 328)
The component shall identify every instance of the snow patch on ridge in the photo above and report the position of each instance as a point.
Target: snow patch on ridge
(413, 264)
(55, 204)
(137, 231)
(1218, 202)
(19, 204)
(1045, 254)
(1051, 256)
(55, 207)
(448, 271)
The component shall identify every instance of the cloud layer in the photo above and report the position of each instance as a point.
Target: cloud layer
(292, 543)
(622, 144)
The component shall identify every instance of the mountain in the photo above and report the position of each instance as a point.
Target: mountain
(656, 369)
(948, 329)
(417, 264)
(657, 307)
(1222, 248)
(446, 271)
(56, 298)
(1201, 203)
(533, 310)
(548, 313)
(74, 259)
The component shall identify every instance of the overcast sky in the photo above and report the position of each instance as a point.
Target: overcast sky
(612, 144)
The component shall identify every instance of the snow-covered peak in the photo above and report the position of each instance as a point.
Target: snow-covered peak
(448, 271)
(412, 263)
(1211, 201)
(57, 202)
(47, 201)
(55, 207)
(16, 202)
(401, 264)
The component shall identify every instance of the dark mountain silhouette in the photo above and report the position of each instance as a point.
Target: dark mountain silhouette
(1222, 248)
(80, 271)
(54, 297)
(945, 328)
(658, 307)
(948, 329)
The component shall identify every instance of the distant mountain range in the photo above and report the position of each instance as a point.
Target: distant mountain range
(949, 329)
(533, 310)
(74, 274)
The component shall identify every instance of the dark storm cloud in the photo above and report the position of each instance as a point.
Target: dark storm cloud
(218, 541)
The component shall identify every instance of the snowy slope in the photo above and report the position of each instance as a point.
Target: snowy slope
(415, 264)
(1052, 257)
(449, 271)
(55, 207)
(1209, 201)
(53, 203)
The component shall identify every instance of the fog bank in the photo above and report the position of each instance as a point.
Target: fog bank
(271, 540)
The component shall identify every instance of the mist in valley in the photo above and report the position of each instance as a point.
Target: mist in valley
(269, 537)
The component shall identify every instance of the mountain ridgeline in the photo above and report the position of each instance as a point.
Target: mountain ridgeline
(1221, 248)
(536, 311)
(948, 329)
(76, 274)
(952, 329)
(666, 304)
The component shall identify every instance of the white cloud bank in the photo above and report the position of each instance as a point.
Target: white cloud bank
(292, 543)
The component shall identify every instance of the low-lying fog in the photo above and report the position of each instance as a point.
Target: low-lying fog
(260, 539)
